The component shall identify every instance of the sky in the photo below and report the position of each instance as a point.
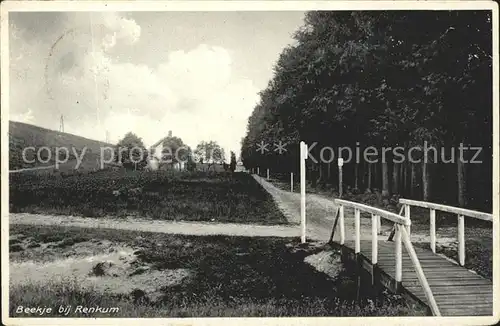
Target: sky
(197, 74)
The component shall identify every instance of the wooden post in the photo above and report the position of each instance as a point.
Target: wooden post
(433, 230)
(267, 174)
(291, 182)
(461, 240)
(358, 231)
(303, 149)
(342, 228)
(340, 163)
(407, 215)
(399, 256)
(375, 219)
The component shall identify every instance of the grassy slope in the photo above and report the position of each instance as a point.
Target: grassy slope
(22, 135)
(233, 276)
(197, 196)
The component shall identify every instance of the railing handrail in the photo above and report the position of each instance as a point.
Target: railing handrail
(449, 209)
(419, 271)
(375, 211)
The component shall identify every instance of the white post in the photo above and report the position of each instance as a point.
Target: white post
(433, 230)
(399, 254)
(407, 215)
(357, 231)
(267, 174)
(291, 182)
(258, 171)
(379, 225)
(375, 220)
(340, 162)
(341, 225)
(461, 240)
(303, 149)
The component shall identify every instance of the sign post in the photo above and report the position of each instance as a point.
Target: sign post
(303, 154)
(291, 182)
(340, 162)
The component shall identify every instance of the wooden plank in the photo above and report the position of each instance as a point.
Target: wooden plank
(408, 217)
(462, 311)
(449, 209)
(374, 248)
(448, 290)
(342, 225)
(461, 240)
(373, 210)
(433, 230)
(420, 273)
(357, 223)
(436, 278)
(464, 300)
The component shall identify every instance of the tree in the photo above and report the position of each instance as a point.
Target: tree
(209, 152)
(232, 163)
(383, 79)
(131, 152)
(190, 164)
(175, 151)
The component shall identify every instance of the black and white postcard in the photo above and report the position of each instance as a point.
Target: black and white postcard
(324, 162)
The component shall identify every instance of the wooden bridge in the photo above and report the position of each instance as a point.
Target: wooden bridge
(445, 287)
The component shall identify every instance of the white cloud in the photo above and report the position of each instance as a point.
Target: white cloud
(194, 92)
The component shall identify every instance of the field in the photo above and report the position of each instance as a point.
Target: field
(158, 275)
(159, 195)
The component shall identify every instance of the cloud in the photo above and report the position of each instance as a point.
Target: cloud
(194, 92)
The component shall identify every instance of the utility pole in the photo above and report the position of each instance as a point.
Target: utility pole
(61, 124)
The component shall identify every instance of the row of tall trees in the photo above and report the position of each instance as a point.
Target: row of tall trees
(384, 79)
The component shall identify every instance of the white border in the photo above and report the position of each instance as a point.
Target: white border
(7, 6)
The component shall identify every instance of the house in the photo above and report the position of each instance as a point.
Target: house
(161, 158)
(240, 167)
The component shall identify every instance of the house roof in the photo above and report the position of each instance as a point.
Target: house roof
(159, 142)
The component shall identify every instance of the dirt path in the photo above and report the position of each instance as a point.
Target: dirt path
(319, 219)
(320, 213)
(188, 228)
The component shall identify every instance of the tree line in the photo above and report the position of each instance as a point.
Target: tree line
(135, 155)
(387, 79)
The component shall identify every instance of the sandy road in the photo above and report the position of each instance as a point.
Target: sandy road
(320, 213)
(147, 225)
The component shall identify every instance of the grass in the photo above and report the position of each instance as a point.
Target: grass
(196, 196)
(232, 276)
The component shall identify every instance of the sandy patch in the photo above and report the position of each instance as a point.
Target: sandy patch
(327, 262)
(118, 271)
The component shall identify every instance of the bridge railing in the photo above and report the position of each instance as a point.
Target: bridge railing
(461, 213)
(402, 225)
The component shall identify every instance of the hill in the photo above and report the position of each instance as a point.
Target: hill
(22, 135)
